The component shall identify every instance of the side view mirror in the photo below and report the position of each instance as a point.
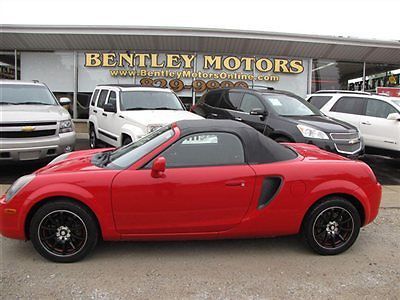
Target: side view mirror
(158, 167)
(64, 101)
(110, 107)
(394, 117)
(258, 112)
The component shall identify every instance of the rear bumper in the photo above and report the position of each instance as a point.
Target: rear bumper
(23, 149)
(374, 195)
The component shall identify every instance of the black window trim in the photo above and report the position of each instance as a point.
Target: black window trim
(147, 165)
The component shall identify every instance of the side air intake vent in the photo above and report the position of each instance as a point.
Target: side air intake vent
(270, 189)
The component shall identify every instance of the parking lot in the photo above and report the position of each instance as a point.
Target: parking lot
(237, 269)
(233, 269)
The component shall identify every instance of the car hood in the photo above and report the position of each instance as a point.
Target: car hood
(32, 113)
(161, 117)
(76, 161)
(323, 123)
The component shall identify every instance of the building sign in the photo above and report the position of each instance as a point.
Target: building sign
(388, 91)
(197, 73)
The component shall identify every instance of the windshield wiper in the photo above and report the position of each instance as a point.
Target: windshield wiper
(7, 103)
(165, 108)
(103, 158)
(137, 108)
(32, 102)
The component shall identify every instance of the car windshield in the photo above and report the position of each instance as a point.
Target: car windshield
(285, 105)
(17, 94)
(125, 156)
(397, 102)
(146, 100)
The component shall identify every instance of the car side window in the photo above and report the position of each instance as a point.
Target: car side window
(250, 102)
(349, 105)
(112, 98)
(231, 100)
(102, 98)
(205, 149)
(94, 97)
(319, 101)
(212, 99)
(379, 109)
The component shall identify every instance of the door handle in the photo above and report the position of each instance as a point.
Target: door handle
(235, 183)
(214, 115)
(95, 111)
(238, 119)
(104, 114)
(366, 123)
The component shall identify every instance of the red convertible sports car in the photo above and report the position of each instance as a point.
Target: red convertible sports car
(203, 179)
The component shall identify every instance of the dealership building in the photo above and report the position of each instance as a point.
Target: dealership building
(72, 60)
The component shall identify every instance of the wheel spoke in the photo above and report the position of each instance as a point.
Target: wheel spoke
(49, 237)
(341, 238)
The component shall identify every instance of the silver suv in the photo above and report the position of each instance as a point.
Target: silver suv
(33, 124)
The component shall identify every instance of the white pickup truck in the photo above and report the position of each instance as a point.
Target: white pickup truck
(120, 114)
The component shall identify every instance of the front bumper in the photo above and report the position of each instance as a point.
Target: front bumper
(9, 221)
(23, 149)
(343, 148)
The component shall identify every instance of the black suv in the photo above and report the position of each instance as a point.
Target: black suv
(283, 116)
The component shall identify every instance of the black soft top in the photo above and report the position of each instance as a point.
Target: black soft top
(258, 148)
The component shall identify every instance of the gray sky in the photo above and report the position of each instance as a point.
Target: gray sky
(355, 18)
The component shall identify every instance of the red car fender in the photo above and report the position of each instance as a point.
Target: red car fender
(333, 187)
(103, 213)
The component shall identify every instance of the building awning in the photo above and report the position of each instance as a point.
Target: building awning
(164, 39)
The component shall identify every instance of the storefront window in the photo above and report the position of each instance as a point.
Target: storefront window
(381, 75)
(333, 75)
(7, 65)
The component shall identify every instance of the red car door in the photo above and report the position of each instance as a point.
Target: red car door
(204, 189)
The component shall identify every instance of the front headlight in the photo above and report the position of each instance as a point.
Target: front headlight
(18, 185)
(59, 158)
(66, 126)
(313, 133)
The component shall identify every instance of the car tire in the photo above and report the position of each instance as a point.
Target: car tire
(282, 139)
(63, 231)
(126, 140)
(93, 141)
(332, 226)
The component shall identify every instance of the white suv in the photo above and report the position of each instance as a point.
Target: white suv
(376, 117)
(120, 114)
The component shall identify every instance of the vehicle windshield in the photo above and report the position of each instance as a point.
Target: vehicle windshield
(397, 102)
(285, 105)
(16, 94)
(146, 100)
(125, 156)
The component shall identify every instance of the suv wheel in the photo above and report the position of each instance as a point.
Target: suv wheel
(93, 141)
(126, 140)
(63, 231)
(332, 226)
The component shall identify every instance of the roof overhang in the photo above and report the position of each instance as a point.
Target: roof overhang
(52, 38)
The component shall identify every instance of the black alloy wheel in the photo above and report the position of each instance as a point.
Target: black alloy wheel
(63, 231)
(332, 226)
